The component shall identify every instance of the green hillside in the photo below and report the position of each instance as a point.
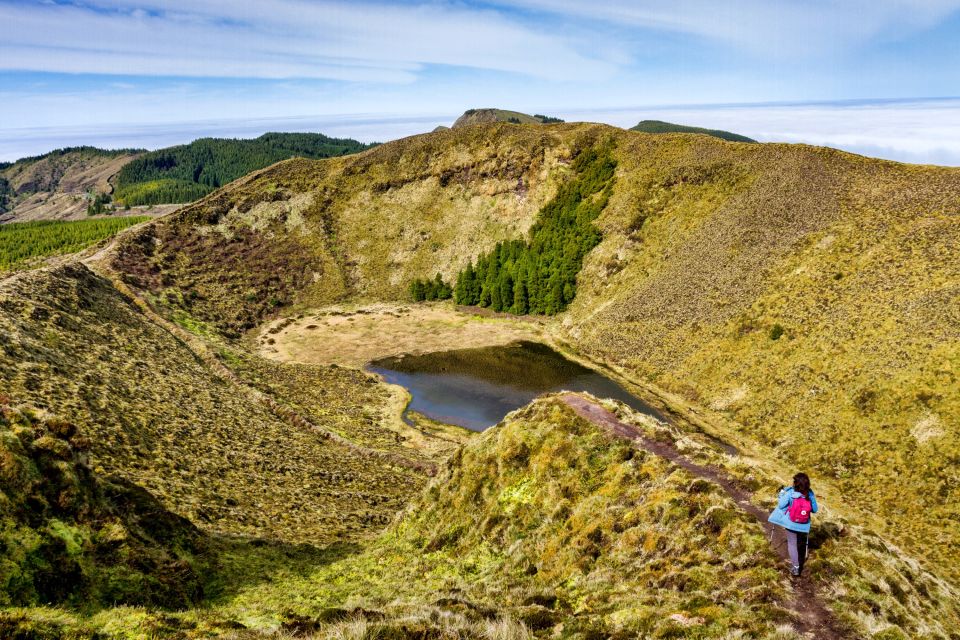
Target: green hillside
(794, 303)
(187, 172)
(659, 126)
(72, 537)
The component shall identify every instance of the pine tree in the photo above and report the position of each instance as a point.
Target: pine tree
(416, 291)
(520, 298)
(463, 291)
(539, 275)
(506, 290)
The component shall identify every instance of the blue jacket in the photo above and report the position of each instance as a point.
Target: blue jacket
(781, 516)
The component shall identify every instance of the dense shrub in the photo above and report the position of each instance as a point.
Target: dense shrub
(99, 204)
(776, 332)
(435, 289)
(5, 193)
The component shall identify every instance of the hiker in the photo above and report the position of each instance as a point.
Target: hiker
(794, 510)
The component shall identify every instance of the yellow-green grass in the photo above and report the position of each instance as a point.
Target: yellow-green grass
(797, 298)
(550, 525)
(545, 520)
(229, 453)
(874, 588)
(804, 299)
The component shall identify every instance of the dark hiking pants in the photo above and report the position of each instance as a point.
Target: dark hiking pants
(797, 547)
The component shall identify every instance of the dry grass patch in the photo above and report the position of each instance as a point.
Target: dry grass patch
(354, 335)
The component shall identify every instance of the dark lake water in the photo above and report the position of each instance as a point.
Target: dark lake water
(475, 388)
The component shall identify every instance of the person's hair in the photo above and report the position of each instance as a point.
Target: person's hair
(801, 483)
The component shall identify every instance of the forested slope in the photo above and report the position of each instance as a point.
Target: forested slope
(187, 172)
(71, 183)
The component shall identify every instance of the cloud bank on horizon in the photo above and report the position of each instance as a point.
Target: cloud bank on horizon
(180, 67)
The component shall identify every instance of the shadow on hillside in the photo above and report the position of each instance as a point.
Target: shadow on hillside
(241, 563)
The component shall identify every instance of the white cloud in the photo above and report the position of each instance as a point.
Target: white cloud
(926, 131)
(332, 39)
(920, 131)
(770, 27)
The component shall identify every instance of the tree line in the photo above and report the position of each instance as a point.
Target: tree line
(539, 275)
(187, 172)
(435, 289)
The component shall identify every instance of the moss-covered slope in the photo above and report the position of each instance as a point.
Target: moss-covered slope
(70, 537)
(224, 450)
(547, 520)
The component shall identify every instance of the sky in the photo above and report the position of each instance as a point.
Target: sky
(878, 77)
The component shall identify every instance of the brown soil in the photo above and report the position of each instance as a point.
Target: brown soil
(812, 616)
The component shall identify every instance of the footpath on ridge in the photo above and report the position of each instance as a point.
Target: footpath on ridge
(812, 616)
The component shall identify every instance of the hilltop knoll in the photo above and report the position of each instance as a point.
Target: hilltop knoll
(489, 116)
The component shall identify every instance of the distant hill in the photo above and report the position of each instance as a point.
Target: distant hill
(70, 183)
(187, 172)
(486, 116)
(659, 126)
(58, 184)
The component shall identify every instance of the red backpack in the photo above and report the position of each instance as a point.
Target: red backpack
(799, 510)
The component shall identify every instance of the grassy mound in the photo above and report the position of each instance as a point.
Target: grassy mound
(547, 521)
(548, 526)
(71, 537)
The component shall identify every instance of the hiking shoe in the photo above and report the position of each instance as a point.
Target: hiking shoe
(795, 570)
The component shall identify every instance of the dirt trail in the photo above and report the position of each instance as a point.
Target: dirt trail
(812, 617)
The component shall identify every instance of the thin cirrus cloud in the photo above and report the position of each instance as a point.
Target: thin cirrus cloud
(765, 27)
(332, 40)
